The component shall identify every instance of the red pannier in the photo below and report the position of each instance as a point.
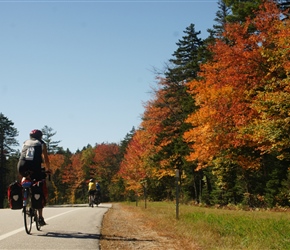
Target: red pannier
(15, 197)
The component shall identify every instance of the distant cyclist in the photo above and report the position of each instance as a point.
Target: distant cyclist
(98, 187)
(92, 191)
(33, 155)
(98, 194)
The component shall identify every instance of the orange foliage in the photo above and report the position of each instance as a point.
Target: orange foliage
(73, 174)
(105, 160)
(137, 165)
(132, 167)
(56, 161)
(229, 84)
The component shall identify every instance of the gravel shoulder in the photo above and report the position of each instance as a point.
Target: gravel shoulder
(125, 228)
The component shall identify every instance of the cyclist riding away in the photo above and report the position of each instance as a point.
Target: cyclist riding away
(98, 194)
(92, 191)
(33, 155)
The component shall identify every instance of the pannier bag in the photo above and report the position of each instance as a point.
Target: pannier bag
(15, 198)
(37, 199)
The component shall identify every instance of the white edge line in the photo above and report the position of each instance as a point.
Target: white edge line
(4, 236)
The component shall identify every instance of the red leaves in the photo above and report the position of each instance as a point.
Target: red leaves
(229, 92)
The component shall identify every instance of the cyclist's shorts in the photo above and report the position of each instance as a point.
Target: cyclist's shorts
(92, 192)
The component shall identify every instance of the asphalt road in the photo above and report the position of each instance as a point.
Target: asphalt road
(68, 227)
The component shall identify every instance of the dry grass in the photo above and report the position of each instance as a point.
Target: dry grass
(156, 227)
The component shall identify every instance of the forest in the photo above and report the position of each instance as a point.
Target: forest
(219, 115)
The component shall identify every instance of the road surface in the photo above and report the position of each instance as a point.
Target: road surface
(68, 227)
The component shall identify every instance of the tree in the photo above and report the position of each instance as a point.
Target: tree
(74, 176)
(52, 146)
(176, 102)
(242, 9)
(126, 141)
(132, 168)
(106, 166)
(221, 20)
(56, 165)
(7, 141)
(185, 62)
(243, 95)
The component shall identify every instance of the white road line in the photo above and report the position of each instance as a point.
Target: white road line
(4, 236)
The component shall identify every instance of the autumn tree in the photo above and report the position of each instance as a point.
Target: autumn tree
(175, 99)
(238, 90)
(57, 162)
(132, 168)
(106, 166)
(73, 175)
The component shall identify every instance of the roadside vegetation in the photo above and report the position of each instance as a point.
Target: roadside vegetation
(218, 228)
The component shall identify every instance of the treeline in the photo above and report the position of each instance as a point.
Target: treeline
(220, 115)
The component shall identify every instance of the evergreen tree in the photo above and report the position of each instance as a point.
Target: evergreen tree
(185, 66)
(52, 146)
(241, 9)
(7, 141)
(187, 57)
(221, 19)
(125, 142)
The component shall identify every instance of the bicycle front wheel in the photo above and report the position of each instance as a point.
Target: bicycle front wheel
(36, 219)
(27, 212)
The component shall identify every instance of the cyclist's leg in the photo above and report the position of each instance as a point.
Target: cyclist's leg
(37, 175)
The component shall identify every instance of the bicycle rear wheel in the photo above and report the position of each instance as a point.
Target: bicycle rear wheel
(27, 212)
(91, 201)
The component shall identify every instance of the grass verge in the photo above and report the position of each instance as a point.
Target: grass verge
(212, 228)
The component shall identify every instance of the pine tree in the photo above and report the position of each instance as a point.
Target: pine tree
(184, 67)
(7, 141)
(187, 57)
(241, 9)
(221, 19)
(52, 146)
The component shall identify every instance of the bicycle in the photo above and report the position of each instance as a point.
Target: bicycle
(30, 214)
(97, 199)
(91, 198)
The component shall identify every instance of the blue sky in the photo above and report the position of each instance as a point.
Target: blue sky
(85, 68)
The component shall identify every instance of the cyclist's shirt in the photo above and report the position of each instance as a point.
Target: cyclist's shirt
(92, 186)
(31, 157)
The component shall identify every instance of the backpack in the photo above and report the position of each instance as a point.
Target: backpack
(37, 197)
(15, 197)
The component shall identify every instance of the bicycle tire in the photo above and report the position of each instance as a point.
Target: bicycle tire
(27, 214)
(36, 219)
(91, 201)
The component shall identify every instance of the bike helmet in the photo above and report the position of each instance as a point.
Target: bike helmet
(35, 133)
(91, 180)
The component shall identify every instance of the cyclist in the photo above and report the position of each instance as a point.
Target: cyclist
(98, 192)
(33, 155)
(92, 190)
(98, 188)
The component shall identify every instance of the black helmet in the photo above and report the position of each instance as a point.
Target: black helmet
(35, 133)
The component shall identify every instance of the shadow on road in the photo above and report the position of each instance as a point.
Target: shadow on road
(80, 235)
(76, 235)
(121, 238)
